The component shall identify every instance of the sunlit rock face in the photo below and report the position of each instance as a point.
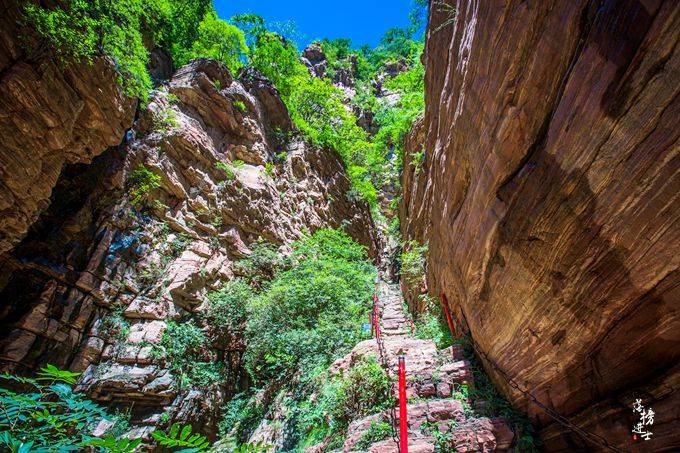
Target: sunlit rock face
(229, 171)
(548, 195)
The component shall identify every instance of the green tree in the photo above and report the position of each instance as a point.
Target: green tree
(312, 312)
(222, 41)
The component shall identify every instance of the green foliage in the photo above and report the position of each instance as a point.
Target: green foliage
(495, 404)
(312, 312)
(417, 159)
(81, 29)
(240, 105)
(174, 25)
(179, 436)
(114, 326)
(317, 109)
(376, 432)
(226, 308)
(431, 324)
(364, 391)
(115, 445)
(226, 168)
(257, 447)
(269, 169)
(52, 417)
(325, 407)
(46, 417)
(164, 120)
(53, 374)
(140, 184)
(184, 346)
(412, 260)
(241, 416)
(220, 40)
(262, 264)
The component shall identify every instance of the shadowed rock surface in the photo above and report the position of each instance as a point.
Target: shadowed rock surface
(548, 196)
(49, 117)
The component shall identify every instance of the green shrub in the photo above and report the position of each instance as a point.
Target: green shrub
(140, 184)
(220, 40)
(227, 308)
(114, 326)
(431, 324)
(412, 260)
(312, 312)
(181, 436)
(240, 105)
(165, 119)
(376, 432)
(241, 416)
(184, 346)
(269, 169)
(226, 168)
(364, 391)
(262, 264)
(81, 29)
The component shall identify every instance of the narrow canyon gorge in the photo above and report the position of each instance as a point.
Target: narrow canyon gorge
(247, 245)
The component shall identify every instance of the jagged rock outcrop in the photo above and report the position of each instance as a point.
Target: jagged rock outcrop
(49, 117)
(548, 196)
(135, 241)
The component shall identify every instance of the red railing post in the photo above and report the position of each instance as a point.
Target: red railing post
(377, 326)
(403, 422)
(447, 313)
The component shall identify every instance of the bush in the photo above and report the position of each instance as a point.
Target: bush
(338, 401)
(241, 416)
(140, 184)
(262, 264)
(220, 40)
(431, 325)
(412, 262)
(376, 432)
(226, 308)
(185, 347)
(313, 312)
(364, 391)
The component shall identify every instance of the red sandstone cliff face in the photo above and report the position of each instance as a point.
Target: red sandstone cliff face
(549, 199)
(49, 117)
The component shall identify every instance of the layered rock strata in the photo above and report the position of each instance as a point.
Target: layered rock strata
(548, 196)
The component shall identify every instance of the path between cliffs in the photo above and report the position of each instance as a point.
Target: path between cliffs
(437, 408)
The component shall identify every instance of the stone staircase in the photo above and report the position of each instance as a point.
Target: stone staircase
(440, 416)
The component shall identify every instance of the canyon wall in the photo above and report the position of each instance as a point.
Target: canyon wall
(116, 224)
(548, 196)
(49, 116)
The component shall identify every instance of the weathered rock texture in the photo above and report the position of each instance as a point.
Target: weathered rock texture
(549, 199)
(100, 275)
(49, 117)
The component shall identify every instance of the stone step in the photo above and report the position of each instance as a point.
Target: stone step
(432, 378)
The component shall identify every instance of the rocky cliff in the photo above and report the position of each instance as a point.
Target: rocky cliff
(100, 257)
(548, 195)
(49, 117)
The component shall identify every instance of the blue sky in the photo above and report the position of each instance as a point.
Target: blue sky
(364, 21)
